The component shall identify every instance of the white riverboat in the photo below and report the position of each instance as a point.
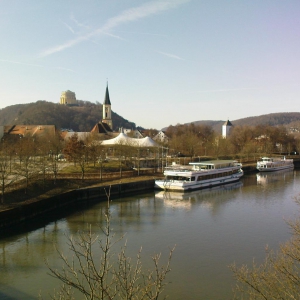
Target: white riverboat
(269, 164)
(199, 175)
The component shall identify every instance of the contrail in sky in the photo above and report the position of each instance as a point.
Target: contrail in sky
(33, 65)
(226, 90)
(129, 15)
(170, 55)
(20, 63)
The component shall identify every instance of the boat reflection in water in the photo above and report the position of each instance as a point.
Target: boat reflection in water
(267, 177)
(206, 196)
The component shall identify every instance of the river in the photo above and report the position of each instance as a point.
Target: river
(210, 228)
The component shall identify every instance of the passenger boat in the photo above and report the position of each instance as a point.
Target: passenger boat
(269, 164)
(206, 195)
(198, 175)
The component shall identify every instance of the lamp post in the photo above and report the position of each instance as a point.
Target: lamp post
(120, 161)
(167, 156)
(100, 167)
(138, 162)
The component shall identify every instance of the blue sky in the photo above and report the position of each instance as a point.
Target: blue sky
(166, 62)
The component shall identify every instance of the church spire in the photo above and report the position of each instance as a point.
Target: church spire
(106, 117)
(106, 98)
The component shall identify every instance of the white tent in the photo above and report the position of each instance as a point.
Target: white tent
(123, 139)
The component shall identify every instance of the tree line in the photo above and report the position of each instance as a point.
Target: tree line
(25, 156)
(243, 141)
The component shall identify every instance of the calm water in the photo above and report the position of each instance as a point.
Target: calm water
(211, 230)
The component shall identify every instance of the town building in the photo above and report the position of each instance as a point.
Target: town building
(16, 131)
(161, 137)
(135, 133)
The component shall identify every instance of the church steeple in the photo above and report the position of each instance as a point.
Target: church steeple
(106, 118)
(106, 98)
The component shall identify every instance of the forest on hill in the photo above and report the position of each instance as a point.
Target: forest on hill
(78, 118)
(289, 119)
(84, 117)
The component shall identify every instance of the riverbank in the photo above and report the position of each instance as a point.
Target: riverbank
(21, 207)
(57, 196)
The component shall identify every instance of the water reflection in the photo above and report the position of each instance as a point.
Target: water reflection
(211, 228)
(207, 197)
(263, 178)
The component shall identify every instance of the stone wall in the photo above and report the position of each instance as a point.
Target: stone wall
(29, 210)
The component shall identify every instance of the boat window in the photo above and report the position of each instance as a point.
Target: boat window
(192, 178)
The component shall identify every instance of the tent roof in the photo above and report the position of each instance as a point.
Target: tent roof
(123, 139)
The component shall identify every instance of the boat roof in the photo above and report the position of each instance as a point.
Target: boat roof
(212, 162)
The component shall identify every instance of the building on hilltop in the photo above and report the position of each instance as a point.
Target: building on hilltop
(68, 98)
(226, 128)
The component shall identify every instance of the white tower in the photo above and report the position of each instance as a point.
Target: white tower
(226, 129)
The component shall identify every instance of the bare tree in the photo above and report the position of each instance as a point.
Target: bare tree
(7, 173)
(278, 277)
(26, 168)
(107, 275)
(55, 149)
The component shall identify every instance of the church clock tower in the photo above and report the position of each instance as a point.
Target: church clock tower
(106, 118)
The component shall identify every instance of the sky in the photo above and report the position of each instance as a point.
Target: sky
(166, 62)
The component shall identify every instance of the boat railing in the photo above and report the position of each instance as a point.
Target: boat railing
(178, 169)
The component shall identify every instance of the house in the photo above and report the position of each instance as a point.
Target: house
(132, 133)
(16, 131)
(161, 137)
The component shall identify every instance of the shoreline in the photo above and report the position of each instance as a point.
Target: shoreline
(60, 200)
(51, 203)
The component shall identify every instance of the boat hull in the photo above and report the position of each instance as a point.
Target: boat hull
(181, 186)
(272, 169)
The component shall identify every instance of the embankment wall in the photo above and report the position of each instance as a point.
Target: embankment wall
(27, 211)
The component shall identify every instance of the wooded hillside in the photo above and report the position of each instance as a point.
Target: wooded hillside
(87, 114)
(287, 119)
(78, 118)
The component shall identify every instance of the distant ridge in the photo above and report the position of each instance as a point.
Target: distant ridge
(273, 119)
(87, 114)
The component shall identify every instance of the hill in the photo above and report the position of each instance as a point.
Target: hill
(87, 114)
(274, 119)
(79, 118)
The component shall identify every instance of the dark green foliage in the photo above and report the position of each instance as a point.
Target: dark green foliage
(79, 118)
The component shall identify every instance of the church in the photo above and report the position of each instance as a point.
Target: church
(105, 125)
(104, 128)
